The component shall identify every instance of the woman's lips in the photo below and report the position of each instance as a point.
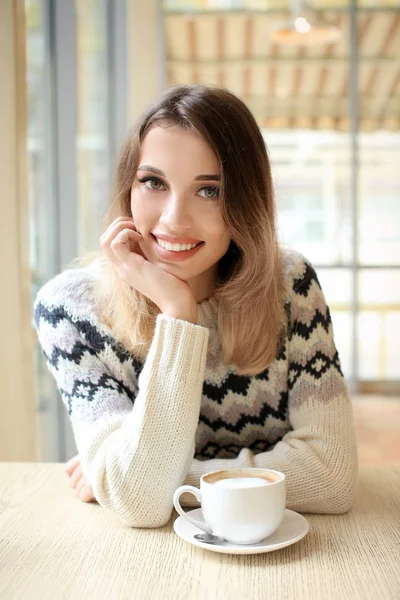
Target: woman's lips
(177, 240)
(171, 256)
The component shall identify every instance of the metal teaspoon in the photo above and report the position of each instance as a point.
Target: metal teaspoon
(208, 538)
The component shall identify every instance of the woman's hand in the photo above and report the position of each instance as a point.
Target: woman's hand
(120, 243)
(78, 480)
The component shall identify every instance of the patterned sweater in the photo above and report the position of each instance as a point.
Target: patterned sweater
(142, 430)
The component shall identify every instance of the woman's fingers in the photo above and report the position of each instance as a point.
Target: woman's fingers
(115, 227)
(84, 490)
(76, 476)
(71, 465)
(124, 244)
(78, 480)
(120, 239)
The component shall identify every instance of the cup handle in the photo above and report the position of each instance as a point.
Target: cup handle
(196, 492)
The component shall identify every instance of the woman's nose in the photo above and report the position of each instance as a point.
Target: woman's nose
(177, 212)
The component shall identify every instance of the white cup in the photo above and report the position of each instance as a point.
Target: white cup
(236, 508)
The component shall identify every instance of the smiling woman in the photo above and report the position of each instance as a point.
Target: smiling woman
(177, 208)
(175, 361)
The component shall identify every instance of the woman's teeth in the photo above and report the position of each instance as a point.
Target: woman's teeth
(175, 247)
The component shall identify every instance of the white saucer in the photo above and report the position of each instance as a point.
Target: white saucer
(292, 529)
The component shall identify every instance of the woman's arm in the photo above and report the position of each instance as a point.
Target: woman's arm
(135, 444)
(319, 456)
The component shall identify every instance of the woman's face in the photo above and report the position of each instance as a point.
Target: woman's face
(176, 194)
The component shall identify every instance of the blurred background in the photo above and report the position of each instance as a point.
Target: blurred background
(323, 81)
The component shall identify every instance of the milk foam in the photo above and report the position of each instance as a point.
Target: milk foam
(241, 482)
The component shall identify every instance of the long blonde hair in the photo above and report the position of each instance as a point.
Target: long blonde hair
(249, 287)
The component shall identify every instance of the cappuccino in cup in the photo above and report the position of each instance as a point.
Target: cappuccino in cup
(243, 506)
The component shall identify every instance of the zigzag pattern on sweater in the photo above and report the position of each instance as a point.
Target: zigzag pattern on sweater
(236, 383)
(317, 366)
(96, 341)
(92, 342)
(306, 331)
(212, 450)
(244, 420)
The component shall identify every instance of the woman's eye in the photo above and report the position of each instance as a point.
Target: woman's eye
(152, 183)
(209, 192)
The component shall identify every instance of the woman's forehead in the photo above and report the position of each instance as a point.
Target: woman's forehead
(171, 146)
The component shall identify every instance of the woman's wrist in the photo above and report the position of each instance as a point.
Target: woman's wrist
(185, 313)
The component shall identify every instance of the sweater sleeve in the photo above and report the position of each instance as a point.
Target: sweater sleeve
(135, 448)
(319, 455)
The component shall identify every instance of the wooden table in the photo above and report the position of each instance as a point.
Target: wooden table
(54, 546)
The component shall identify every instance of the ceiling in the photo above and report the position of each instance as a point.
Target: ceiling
(289, 88)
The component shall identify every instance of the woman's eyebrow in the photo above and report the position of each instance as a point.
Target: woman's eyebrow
(207, 178)
(198, 178)
(151, 169)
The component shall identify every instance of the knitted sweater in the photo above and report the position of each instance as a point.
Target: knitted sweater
(142, 430)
